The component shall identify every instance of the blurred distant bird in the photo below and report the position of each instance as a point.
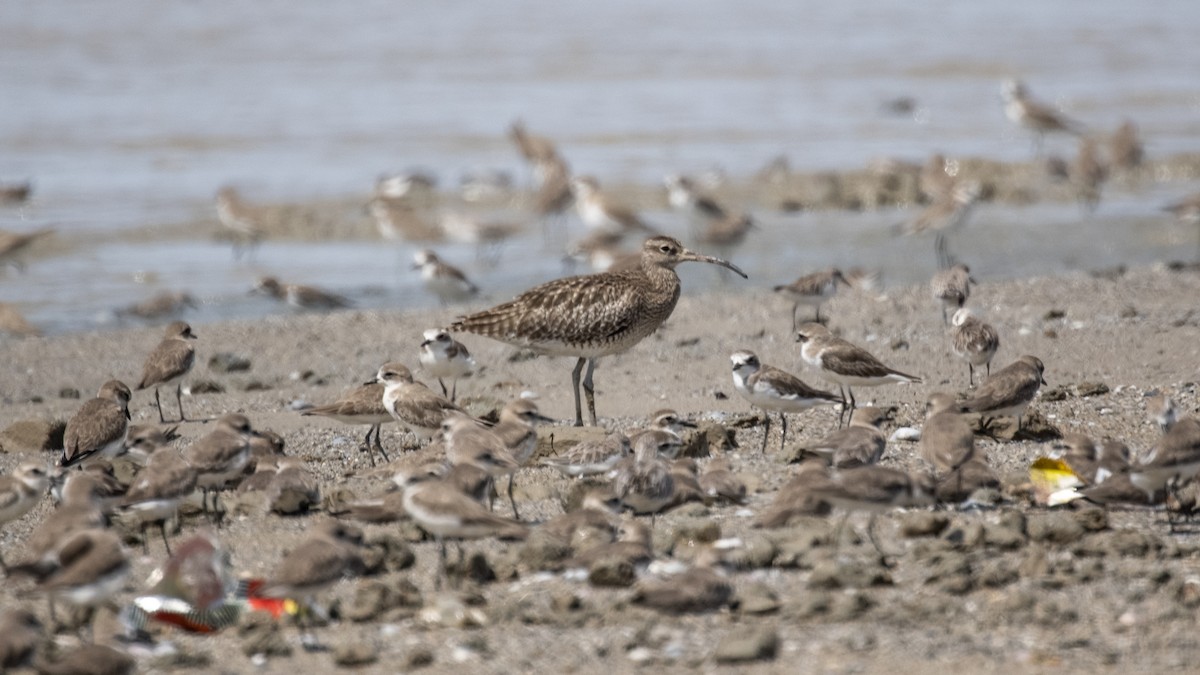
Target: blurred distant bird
(935, 180)
(300, 297)
(12, 322)
(412, 187)
(166, 303)
(442, 279)
(702, 210)
(1125, 149)
(1187, 210)
(1023, 110)
(812, 289)
(14, 244)
(945, 216)
(398, 220)
(20, 491)
(599, 211)
(242, 221)
(951, 288)
(15, 193)
(1088, 173)
(488, 236)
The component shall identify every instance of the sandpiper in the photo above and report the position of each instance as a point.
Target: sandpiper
(81, 509)
(1173, 460)
(798, 497)
(1088, 173)
(444, 512)
(532, 147)
(811, 290)
(100, 426)
(168, 363)
(973, 341)
(843, 363)
(1162, 411)
(1039, 118)
(444, 357)
(774, 390)
(591, 458)
(1187, 210)
(301, 297)
(594, 315)
(646, 485)
(947, 441)
(1125, 149)
(20, 491)
(861, 442)
(937, 177)
(14, 244)
(699, 589)
(13, 322)
(166, 303)
(600, 212)
(445, 281)
(86, 569)
(412, 404)
(875, 489)
(945, 216)
(467, 441)
(399, 220)
(157, 491)
(488, 236)
(20, 635)
(242, 221)
(361, 405)
(1008, 391)
(634, 545)
(951, 287)
(220, 457)
(719, 482)
(330, 553)
(701, 210)
(665, 420)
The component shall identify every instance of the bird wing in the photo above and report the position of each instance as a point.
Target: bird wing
(846, 359)
(1005, 388)
(170, 359)
(364, 400)
(421, 406)
(788, 386)
(575, 311)
(97, 423)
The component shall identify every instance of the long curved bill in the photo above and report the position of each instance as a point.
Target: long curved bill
(690, 255)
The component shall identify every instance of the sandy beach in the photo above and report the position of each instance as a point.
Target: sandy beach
(998, 589)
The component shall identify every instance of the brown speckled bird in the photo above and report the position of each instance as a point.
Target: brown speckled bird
(168, 363)
(594, 315)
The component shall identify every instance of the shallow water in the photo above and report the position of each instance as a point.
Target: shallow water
(132, 113)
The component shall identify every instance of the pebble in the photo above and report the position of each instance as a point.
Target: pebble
(355, 654)
(905, 434)
(228, 362)
(28, 436)
(746, 643)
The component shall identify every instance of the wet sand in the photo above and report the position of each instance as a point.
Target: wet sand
(1075, 589)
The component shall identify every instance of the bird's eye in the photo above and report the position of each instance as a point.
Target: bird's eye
(665, 248)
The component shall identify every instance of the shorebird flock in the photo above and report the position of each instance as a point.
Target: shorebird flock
(79, 555)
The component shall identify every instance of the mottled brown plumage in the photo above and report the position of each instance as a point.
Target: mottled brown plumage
(594, 315)
(951, 288)
(361, 405)
(812, 289)
(1007, 391)
(947, 441)
(974, 341)
(100, 426)
(169, 362)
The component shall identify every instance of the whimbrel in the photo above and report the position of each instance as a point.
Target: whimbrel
(592, 316)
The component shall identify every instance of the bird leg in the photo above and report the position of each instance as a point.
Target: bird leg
(379, 444)
(366, 446)
(842, 409)
(512, 478)
(454, 390)
(575, 387)
(162, 528)
(970, 375)
(443, 384)
(158, 403)
(795, 307)
(178, 399)
(766, 431)
(589, 390)
(783, 438)
(437, 584)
